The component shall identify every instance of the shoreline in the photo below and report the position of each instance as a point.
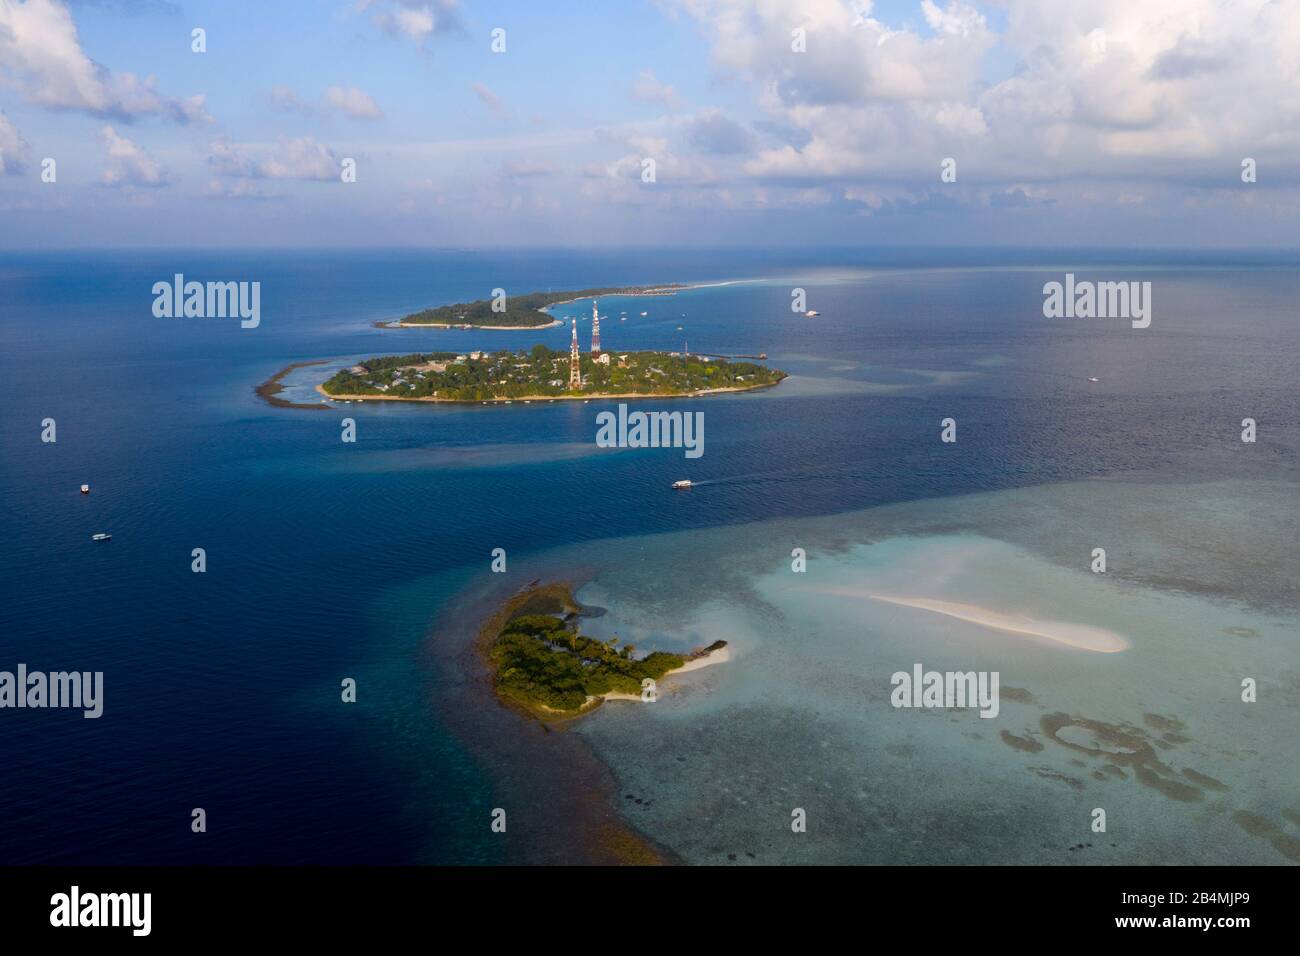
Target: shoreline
(270, 390)
(719, 652)
(657, 291)
(539, 398)
(705, 657)
(461, 326)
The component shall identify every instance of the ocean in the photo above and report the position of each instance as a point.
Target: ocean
(371, 560)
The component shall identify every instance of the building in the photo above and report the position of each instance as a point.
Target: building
(595, 329)
(575, 372)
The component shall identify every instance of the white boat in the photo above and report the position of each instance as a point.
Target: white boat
(684, 483)
(1091, 379)
(645, 313)
(812, 313)
(85, 489)
(100, 536)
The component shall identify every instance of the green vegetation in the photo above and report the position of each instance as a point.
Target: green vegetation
(542, 373)
(522, 311)
(544, 660)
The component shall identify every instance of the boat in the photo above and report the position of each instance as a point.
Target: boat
(1091, 379)
(812, 313)
(645, 313)
(85, 489)
(679, 328)
(762, 355)
(100, 536)
(684, 483)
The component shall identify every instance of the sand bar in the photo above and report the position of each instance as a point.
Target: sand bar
(1079, 636)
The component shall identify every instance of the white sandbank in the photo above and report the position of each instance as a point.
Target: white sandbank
(1080, 636)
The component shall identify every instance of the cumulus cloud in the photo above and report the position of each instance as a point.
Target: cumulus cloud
(647, 88)
(41, 55)
(1110, 88)
(14, 151)
(352, 102)
(129, 164)
(303, 158)
(712, 132)
(417, 20)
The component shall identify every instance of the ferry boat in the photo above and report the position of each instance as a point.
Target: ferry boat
(100, 536)
(684, 483)
(85, 489)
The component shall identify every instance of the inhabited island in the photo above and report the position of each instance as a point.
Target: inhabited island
(513, 311)
(541, 662)
(544, 374)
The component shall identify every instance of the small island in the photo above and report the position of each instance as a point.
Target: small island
(543, 664)
(520, 311)
(543, 374)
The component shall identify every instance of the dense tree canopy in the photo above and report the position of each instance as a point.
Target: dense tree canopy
(542, 373)
(520, 310)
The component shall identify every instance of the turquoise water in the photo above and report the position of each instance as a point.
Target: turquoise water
(801, 716)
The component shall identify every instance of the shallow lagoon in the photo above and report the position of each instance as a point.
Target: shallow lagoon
(1156, 735)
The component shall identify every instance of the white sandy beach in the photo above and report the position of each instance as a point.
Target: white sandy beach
(720, 656)
(1079, 636)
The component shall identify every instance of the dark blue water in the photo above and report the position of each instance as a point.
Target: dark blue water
(222, 689)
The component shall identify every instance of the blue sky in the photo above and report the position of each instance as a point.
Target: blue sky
(1072, 122)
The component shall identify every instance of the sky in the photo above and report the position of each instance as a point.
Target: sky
(522, 123)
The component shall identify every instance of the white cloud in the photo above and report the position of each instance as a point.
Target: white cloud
(14, 151)
(713, 132)
(1173, 89)
(648, 89)
(353, 102)
(129, 164)
(413, 19)
(303, 158)
(41, 55)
